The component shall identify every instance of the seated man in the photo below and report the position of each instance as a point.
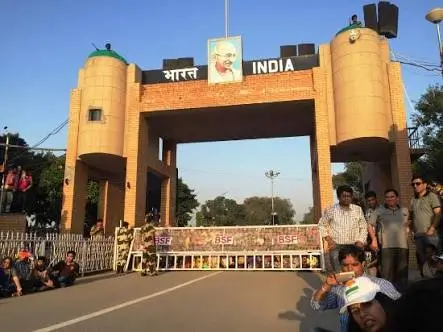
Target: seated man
(331, 295)
(66, 271)
(41, 276)
(9, 280)
(23, 266)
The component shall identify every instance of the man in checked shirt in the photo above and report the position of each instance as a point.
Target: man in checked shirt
(342, 224)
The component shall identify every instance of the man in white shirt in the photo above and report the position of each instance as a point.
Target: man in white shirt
(342, 224)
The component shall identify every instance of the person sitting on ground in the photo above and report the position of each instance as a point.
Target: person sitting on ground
(41, 276)
(368, 308)
(430, 265)
(331, 295)
(10, 285)
(66, 271)
(23, 265)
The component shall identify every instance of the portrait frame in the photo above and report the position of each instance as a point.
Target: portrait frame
(234, 42)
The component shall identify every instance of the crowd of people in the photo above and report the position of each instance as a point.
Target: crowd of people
(369, 261)
(26, 274)
(15, 187)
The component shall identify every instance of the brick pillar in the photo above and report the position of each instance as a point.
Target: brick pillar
(136, 171)
(378, 174)
(169, 184)
(76, 175)
(401, 169)
(75, 191)
(101, 199)
(320, 146)
(400, 159)
(114, 199)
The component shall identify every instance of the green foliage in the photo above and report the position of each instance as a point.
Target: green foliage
(351, 176)
(429, 119)
(308, 217)
(258, 211)
(186, 203)
(221, 211)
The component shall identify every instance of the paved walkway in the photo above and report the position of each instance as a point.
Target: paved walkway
(174, 301)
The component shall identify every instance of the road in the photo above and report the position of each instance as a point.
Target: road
(174, 301)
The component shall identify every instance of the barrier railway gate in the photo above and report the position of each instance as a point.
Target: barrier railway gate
(259, 248)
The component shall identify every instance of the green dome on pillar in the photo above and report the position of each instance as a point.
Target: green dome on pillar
(109, 53)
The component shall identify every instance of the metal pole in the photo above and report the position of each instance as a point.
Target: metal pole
(272, 200)
(5, 168)
(226, 19)
(440, 49)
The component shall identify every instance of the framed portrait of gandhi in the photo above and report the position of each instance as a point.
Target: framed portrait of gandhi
(225, 60)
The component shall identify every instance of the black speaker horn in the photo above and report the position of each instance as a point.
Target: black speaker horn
(169, 64)
(185, 62)
(306, 49)
(387, 19)
(287, 51)
(370, 14)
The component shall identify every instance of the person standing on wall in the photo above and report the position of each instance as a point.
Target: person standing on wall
(393, 220)
(425, 211)
(343, 224)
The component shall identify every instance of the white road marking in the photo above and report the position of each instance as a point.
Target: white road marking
(122, 305)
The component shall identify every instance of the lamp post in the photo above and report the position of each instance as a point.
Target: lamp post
(435, 16)
(272, 175)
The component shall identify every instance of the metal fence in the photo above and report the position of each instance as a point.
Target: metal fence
(93, 255)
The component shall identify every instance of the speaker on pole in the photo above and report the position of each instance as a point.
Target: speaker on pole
(370, 15)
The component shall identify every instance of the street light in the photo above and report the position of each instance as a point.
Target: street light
(272, 175)
(435, 16)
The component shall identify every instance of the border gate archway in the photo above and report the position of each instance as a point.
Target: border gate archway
(347, 96)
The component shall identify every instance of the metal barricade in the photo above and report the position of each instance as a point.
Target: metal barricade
(93, 255)
(285, 248)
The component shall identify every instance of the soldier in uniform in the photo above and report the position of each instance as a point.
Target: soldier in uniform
(124, 239)
(97, 230)
(147, 233)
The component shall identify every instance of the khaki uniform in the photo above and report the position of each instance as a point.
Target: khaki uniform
(149, 261)
(124, 240)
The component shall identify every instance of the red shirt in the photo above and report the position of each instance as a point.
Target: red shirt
(24, 182)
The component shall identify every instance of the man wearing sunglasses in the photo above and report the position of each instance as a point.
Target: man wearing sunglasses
(425, 217)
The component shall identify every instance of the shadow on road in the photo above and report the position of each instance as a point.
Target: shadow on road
(308, 318)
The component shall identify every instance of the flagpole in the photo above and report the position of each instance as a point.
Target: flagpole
(226, 19)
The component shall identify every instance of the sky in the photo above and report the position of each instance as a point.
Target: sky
(43, 44)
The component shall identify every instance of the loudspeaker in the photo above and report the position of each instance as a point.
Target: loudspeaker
(169, 64)
(370, 13)
(387, 19)
(185, 62)
(306, 49)
(287, 51)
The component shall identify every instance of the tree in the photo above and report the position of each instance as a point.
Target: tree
(429, 119)
(186, 203)
(258, 210)
(308, 217)
(351, 176)
(221, 211)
